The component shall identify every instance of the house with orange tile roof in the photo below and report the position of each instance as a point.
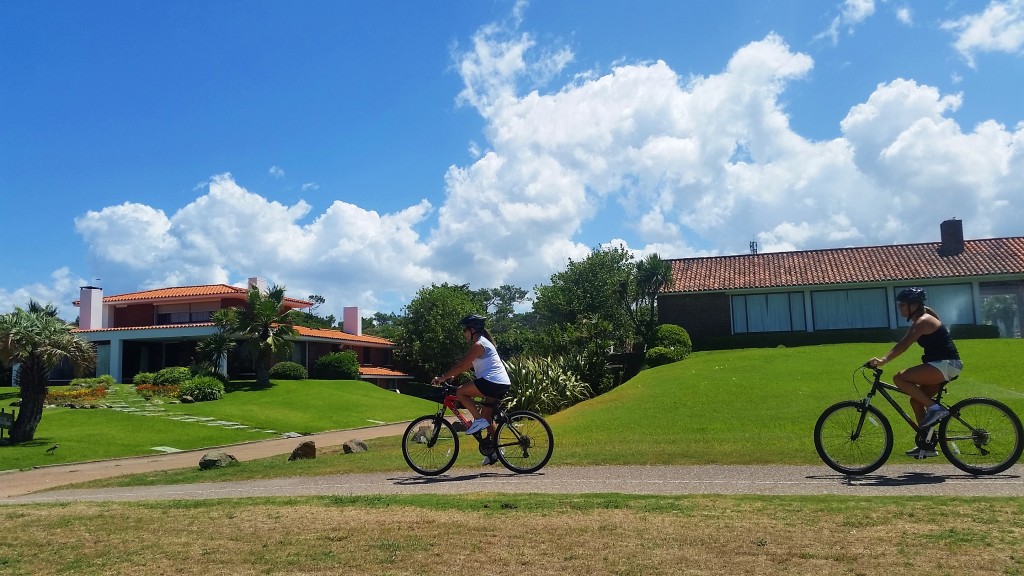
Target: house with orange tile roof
(843, 288)
(152, 329)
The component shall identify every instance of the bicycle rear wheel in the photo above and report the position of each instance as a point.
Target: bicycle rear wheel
(981, 436)
(430, 445)
(524, 442)
(853, 438)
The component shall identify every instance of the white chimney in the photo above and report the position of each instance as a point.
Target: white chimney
(90, 315)
(259, 283)
(351, 322)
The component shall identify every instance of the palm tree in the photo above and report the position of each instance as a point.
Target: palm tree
(214, 348)
(262, 323)
(38, 340)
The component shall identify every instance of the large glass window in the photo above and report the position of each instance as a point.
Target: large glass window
(779, 312)
(954, 303)
(842, 309)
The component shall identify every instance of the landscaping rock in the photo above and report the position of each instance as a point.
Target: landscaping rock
(354, 445)
(305, 451)
(187, 400)
(216, 458)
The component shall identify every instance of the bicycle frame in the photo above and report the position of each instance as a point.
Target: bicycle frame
(883, 388)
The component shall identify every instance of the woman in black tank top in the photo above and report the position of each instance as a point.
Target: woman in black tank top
(939, 363)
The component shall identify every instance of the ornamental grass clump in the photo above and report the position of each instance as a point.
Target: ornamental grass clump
(544, 385)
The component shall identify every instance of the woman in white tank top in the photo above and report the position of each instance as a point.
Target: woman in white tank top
(491, 381)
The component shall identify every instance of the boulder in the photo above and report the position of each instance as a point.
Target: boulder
(215, 459)
(187, 400)
(354, 445)
(306, 451)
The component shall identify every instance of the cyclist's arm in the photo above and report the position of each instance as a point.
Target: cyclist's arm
(475, 351)
(923, 325)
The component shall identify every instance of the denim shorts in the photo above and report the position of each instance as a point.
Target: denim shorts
(950, 368)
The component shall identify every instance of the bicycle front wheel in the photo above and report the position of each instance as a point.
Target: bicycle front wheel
(853, 438)
(981, 436)
(430, 445)
(524, 442)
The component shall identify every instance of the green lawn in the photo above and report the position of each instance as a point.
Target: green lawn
(286, 406)
(725, 407)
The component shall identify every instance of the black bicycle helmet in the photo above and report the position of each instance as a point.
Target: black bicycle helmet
(912, 295)
(474, 322)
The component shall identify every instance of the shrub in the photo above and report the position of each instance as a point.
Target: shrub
(106, 381)
(966, 331)
(544, 385)
(673, 336)
(288, 371)
(337, 366)
(207, 369)
(660, 355)
(143, 378)
(172, 376)
(203, 389)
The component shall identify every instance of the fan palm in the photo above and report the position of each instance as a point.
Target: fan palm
(262, 324)
(37, 340)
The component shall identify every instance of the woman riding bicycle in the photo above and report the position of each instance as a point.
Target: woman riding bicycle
(491, 381)
(940, 362)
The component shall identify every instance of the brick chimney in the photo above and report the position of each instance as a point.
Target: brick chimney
(952, 233)
(259, 283)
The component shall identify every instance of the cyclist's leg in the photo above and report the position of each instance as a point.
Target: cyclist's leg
(468, 393)
(920, 382)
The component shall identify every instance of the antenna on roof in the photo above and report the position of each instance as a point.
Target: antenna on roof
(753, 246)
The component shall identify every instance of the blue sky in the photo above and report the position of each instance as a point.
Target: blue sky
(362, 150)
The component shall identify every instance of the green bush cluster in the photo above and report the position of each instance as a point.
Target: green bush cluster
(144, 378)
(203, 389)
(337, 366)
(671, 344)
(172, 376)
(205, 369)
(288, 371)
(544, 384)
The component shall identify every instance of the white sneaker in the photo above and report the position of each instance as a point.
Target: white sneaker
(920, 454)
(477, 425)
(934, 413)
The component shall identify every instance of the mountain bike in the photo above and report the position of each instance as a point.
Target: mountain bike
(980, 435)
(522, 441)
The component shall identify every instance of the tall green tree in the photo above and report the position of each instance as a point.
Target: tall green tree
(587, 294)
(431, 340)
(262, 324)
(37, 340)
(385, 325)
(639, 296)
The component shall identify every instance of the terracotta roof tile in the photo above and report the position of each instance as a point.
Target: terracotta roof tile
(341, 336)
(191, 292)
(988, 257)
(160, 327)
(375, 371)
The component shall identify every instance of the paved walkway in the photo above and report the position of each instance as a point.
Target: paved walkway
(46, 477)
(893, 479)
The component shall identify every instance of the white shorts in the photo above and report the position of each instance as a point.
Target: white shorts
(950, 368)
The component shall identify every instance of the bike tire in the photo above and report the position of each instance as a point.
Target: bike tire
(981, 436)
(834, 438)
(524, 442)
(430, 445)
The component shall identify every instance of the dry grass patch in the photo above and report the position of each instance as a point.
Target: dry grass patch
(527, 534)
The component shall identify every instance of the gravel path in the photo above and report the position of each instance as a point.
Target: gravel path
(913, 478)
